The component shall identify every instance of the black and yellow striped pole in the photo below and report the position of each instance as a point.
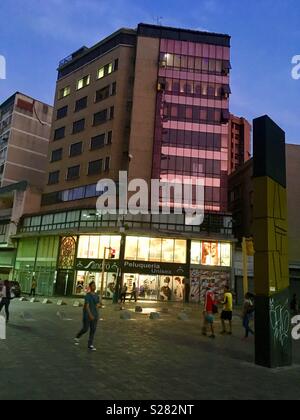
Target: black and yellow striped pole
(273, 343)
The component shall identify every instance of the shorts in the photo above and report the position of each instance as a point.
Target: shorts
(209, 318)
(226, 316)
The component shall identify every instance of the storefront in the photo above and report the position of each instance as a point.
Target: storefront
(210, 265)
(165, 269)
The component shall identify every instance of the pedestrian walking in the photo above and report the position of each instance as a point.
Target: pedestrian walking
(248, 314)
(123, 293)
(227, 311)
(210, 309)
(133, 293)
(33, 287)
(5, 295)
(90, 316)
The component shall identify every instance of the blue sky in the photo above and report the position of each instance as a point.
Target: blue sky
(36, 34)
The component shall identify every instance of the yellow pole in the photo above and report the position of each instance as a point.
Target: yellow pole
(245, 266)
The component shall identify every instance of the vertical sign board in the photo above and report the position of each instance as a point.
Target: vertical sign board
(273, 343)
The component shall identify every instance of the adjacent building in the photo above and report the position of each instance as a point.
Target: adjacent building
(239, 146)
(154, 102)
(25, 125)
(241, 204)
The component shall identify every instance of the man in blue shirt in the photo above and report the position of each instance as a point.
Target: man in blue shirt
(90, 316)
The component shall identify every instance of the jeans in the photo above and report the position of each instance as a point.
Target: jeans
(5, 302)
(246, 321)
(88, 325)
(32, 292)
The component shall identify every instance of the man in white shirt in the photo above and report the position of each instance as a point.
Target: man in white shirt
(5, 301)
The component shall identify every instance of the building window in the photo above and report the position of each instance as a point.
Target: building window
(100, 117)
(105, 71)
(66, 91)
(156, 250)
(78, 126)
(73, 172)
(62, 112)
(53, 178)
(85, 81)
(59, 133)
(98, 142)
(109, 138)
(114, 89)
(111, 112)
(102, 94)
(95, 167)
(76, 149)
(81, 104)
(107, 164)
(56, 155)
(116, 65)
(211, 254)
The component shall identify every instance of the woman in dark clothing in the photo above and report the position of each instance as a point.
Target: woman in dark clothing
(248, 314)
(6, 297)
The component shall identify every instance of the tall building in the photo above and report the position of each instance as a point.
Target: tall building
(154, 102)
(239, 142)
(24, 138)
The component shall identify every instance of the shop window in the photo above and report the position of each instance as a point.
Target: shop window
(225, 255)
(196, 253)
(210, 254)
(155, 249)
(131, 248)
(83, 247)
(180, 252)
(168, 250)
(143, 249)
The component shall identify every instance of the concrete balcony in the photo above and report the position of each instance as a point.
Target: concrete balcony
(5, 214)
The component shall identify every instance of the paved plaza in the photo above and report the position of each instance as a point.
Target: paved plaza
(139, 359)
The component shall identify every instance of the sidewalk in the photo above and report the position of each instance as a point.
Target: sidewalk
(139, 359)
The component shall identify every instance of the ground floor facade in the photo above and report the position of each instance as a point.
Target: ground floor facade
(160, 268)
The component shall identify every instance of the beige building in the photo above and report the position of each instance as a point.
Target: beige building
(24, 138)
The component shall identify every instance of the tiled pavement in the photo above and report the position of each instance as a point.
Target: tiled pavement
(164, 359)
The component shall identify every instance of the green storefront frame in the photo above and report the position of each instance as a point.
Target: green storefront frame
(37, 257)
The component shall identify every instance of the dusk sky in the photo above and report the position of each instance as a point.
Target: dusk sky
(36, 34)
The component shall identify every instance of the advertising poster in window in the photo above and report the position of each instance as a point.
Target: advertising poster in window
(166, 286)
(210, 254)
(178, 289)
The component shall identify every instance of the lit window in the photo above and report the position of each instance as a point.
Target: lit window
(225, 255)
(155, 249)
(131, 248)
(101, 73)
(180, 252)
(85, 81)
(94, 247)
(196, 253)
(168, 250)
(83, 248)
(110, 68)
(143, 249)
(64, 92)
(210, 254)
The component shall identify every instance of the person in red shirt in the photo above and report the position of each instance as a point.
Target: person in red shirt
(208, 312)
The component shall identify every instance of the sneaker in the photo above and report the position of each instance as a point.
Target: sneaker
(229, 333)
(76, 341)
(212, 336)
(223, 332)
(92, 348)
